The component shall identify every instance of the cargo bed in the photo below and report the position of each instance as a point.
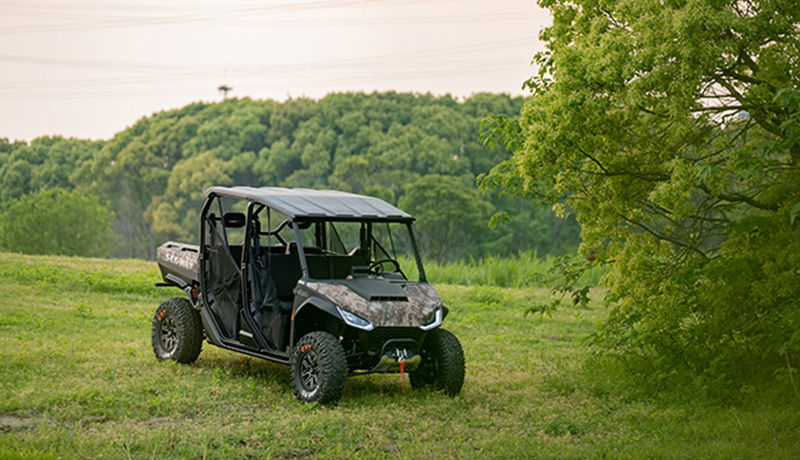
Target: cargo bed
(179, 260)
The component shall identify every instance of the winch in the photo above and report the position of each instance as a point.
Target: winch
(391, 361)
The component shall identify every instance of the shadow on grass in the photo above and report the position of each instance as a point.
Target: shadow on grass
(363, 388)
(241, 367)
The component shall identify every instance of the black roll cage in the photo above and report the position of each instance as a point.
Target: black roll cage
(254, 208)
(243, 264)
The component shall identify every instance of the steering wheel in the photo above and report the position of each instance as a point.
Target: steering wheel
(376, 267)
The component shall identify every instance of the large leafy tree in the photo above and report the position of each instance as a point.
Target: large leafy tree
(175, 214)
(671, 130)
(56, 221)
(450, 213)
(46, 163)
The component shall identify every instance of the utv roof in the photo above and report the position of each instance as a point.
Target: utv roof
(300, 203)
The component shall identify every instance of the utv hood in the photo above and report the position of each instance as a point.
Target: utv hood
(383, 303)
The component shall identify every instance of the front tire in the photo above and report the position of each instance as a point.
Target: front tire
(442, 365)
(177, 331)
(319, 368)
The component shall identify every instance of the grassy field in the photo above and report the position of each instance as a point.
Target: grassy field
(78, 380)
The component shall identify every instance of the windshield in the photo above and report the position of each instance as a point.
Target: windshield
(360, 248)
(339, 249)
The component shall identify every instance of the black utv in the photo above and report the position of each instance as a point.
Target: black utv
(314, 279)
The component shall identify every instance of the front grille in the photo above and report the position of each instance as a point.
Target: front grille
(379, 336)
(382, 334)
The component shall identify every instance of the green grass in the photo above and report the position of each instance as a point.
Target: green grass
(512, 271)
(78, 380)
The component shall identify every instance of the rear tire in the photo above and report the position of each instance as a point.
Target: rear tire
(177, 331)
(319, 368)
(442, 366)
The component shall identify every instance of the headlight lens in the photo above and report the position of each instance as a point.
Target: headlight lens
(355, 320)
(433, 320)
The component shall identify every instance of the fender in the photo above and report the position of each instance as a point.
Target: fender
(314, 310)
(171, 280)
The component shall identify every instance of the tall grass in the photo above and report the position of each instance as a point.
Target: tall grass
(510, 271)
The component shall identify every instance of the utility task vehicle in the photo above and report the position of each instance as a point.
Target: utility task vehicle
(312, 279)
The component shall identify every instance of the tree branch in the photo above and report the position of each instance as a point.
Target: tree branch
(738, 198)
(663, 237)
(594, 160)
(773, 129)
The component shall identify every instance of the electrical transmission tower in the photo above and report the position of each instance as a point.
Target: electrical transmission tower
(224, 90)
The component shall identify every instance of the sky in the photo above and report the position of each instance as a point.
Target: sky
(91, 68)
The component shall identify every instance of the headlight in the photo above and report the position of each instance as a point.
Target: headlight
(433, 320)
(354, 320)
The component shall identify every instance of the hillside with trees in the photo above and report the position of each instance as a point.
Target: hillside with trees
(417, 151)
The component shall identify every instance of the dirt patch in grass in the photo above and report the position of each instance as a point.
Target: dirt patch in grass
(18, 420)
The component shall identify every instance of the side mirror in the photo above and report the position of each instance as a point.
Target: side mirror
(233, 219)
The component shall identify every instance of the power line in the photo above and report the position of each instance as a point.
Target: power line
(309, 83)
(293, 76)
(175, 18)
(431, 58)
(374, 76)
(439, 20)
(209, 16)
(96, 64)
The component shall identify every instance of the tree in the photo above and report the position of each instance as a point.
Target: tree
(374, 144)
(57, 222)
(671, 130)
(134, 167)
(175, 214)
(46, 163)
(448, 212)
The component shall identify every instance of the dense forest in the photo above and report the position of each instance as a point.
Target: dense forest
(420, 152)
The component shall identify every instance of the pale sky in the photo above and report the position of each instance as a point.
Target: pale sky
(91, 68)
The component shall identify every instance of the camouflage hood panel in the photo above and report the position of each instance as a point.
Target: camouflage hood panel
(423, 299)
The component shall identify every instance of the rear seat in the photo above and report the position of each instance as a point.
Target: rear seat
(286, 270)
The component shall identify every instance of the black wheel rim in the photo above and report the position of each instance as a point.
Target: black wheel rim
(169, 333)
(429, 369)
(309, 370)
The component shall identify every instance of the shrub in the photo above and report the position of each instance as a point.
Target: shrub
(57, 222)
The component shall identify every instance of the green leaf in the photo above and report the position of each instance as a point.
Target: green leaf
(793, 214)
(499, 218)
